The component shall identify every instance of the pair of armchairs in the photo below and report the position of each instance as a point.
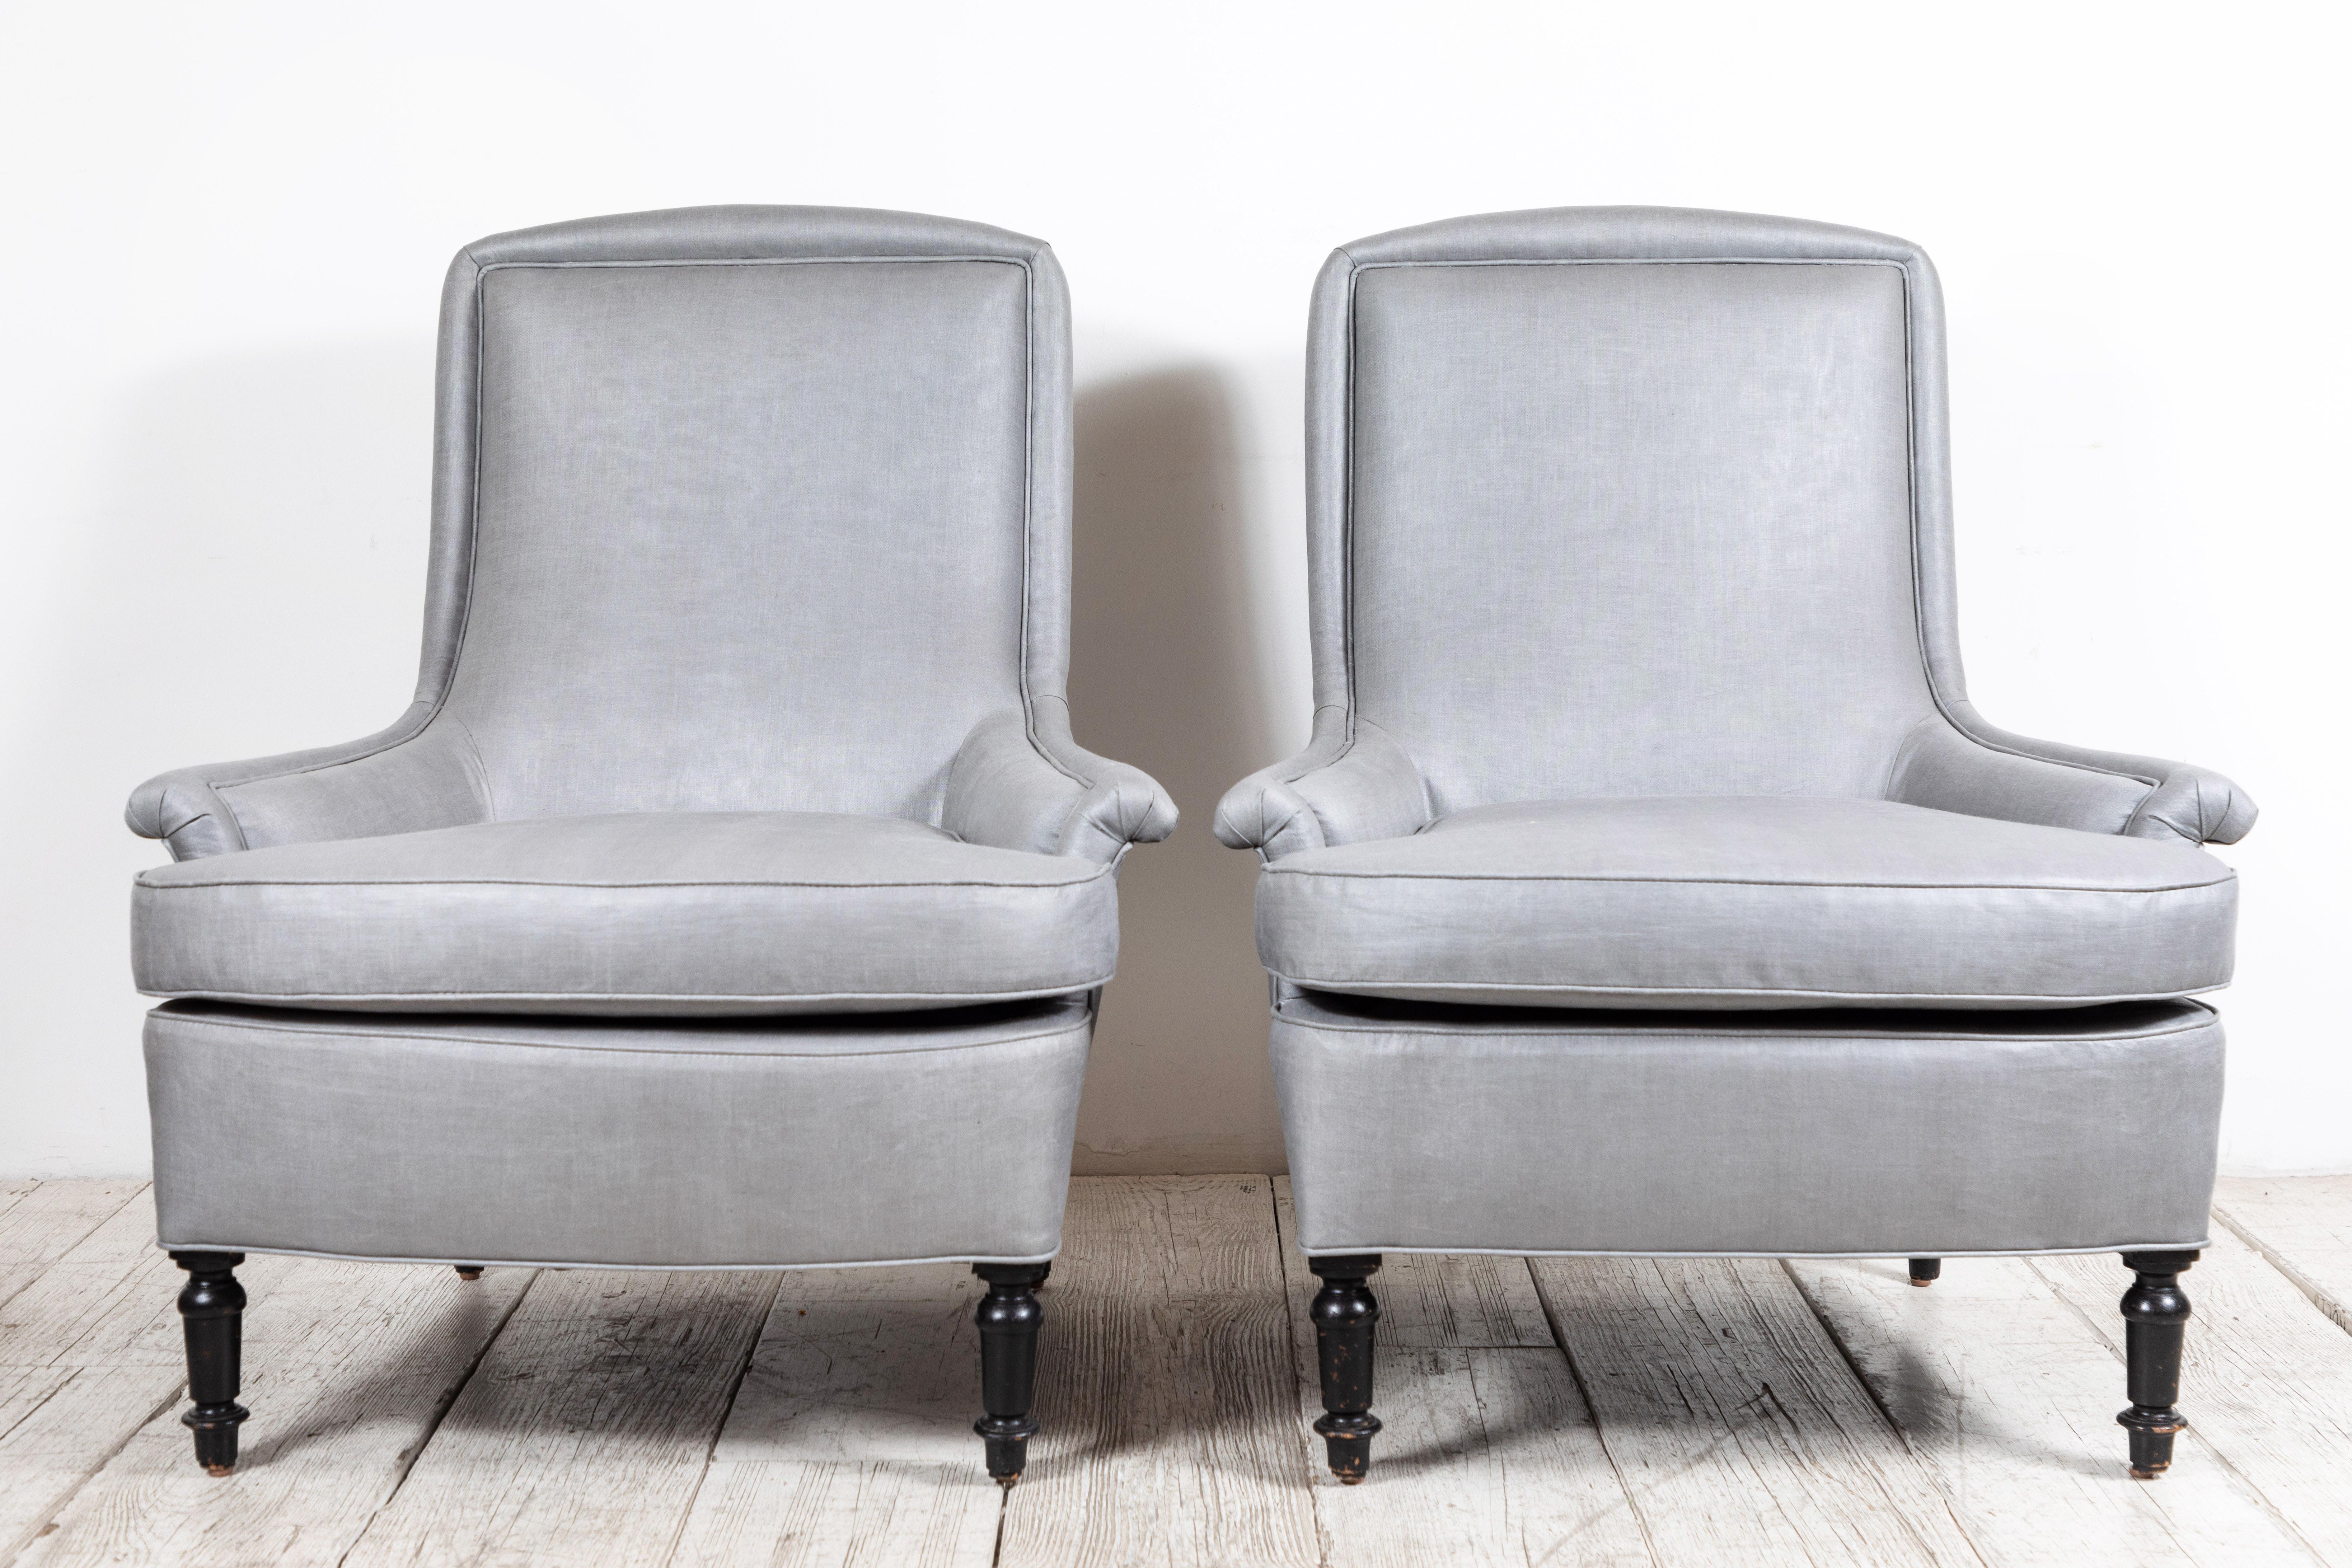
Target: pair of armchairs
(1649, 885)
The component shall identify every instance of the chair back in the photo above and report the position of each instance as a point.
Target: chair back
(746, 508)
(1611, 501)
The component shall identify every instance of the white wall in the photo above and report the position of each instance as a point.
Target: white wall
(225, 227)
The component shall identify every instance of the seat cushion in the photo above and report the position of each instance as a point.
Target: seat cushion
(648, 913)
(1749, 903)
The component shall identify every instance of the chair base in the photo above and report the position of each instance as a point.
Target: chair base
(1412, 1126)
(610, 1143)
(212, 1312)
(1345, 1312)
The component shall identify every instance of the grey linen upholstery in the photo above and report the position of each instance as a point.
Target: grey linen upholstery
(1694, 476)
(667, 913)
(1740, 902)
(1639, 505)
(1649, 884)
(742, 693)
(735, 509)
(643, 1142)
(1419, 1128)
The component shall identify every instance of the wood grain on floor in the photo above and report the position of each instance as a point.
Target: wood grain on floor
(1172, 1434)
(2008, 1394)
(1621, 1412)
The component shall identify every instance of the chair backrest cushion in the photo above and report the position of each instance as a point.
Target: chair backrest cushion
(746, 505)
(1625, 503)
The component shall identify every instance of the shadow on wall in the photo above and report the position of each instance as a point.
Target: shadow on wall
(1163, 674)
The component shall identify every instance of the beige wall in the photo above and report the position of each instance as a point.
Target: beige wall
(227, 226)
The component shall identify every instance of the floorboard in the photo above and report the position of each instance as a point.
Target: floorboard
(348, 1366)
(1171, 1428)
(582, 1435)
(850, 1441)
(1466, 1301)
(884, 1515)
(1736, 1426)
(76, 1393)
(2303, 1224)
(2009, 1397)
(40, 1222)
(93, 1305)
(1613, 1411)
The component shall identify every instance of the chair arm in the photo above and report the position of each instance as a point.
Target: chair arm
(1028, 785)
(1346, 786)
(413, 775)
(1962, 763)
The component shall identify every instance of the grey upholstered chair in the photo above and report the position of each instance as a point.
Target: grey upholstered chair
(1649, 885)
(733, 895)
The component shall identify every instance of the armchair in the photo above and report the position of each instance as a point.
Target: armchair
(738, 805)
(1650, 885)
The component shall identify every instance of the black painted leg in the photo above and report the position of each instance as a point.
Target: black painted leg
(211, 1312)
(469, 1272)
(2156, 1320)
(1345, 1313)
(1927, 1270)
(1009, 1317)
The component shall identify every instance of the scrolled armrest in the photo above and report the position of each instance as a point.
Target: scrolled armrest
(1981, 771)
(1025, 784)
(1348, 785)
(413, 775)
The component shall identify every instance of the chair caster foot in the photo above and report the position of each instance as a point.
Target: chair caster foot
(214, 1427)
(2151, 1433)
(1347, 1444)
(1007, 1456)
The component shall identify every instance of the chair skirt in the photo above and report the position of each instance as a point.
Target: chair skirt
(735, 1143)
(1418, 1127)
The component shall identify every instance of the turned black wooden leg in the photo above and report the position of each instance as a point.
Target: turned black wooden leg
(212, 1312)
(2155, 1318)
(1009, 1317)
(1927, 1270)
(1345, 1313)
(469, 1272)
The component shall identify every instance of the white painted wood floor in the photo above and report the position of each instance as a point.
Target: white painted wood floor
(1566, 1411)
